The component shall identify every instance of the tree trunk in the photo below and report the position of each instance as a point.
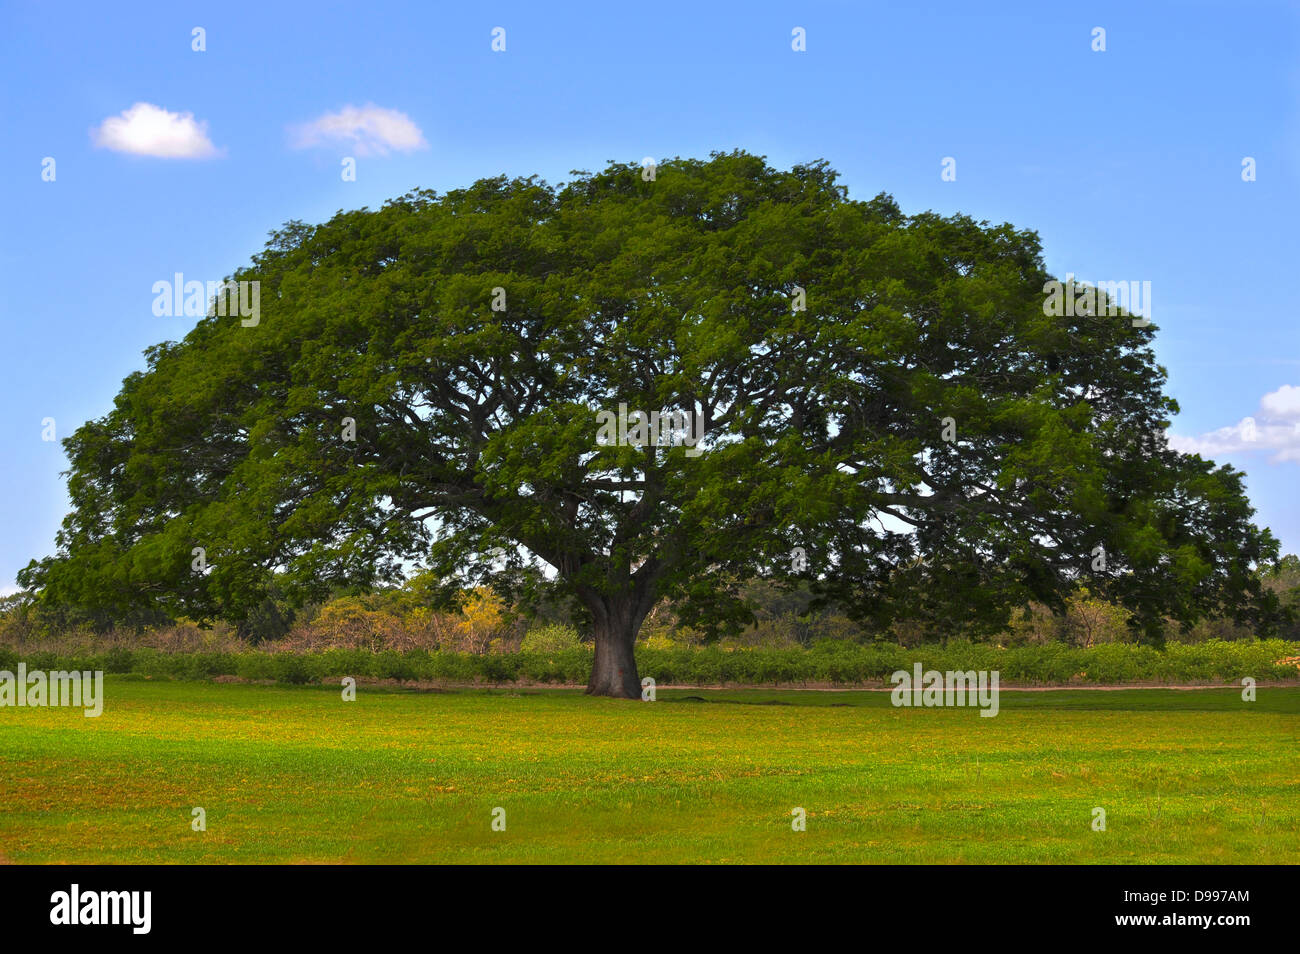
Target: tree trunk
(613, 671)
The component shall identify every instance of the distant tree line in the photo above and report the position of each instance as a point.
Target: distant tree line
(412, 616)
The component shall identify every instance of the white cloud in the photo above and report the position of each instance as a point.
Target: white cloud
(1275, 430)
(367, 130)
(1284, 403)
(149, 130)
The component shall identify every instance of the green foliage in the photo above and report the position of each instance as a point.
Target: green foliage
(118, 659)
(290, 668)
(822, 426)
(550, 638)
(827, 663)
(268, 620)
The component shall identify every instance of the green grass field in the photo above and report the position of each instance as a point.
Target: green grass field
(297, 775)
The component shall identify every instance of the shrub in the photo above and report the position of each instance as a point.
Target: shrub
(551, 638)
(257, 665)
(290, 668)
(391, 664)
(118, 659)
(1213, 661)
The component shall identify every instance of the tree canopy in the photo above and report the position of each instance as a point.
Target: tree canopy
(884, 408)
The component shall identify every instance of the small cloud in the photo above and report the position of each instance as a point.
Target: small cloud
(367, 130)
(1276, 430)
(149, 130)
(1284, 403)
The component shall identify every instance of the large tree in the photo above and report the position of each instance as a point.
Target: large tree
(887, 410)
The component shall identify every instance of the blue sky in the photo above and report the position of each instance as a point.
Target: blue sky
(1128, 162)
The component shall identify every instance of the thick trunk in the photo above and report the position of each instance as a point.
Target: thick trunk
(613, 671)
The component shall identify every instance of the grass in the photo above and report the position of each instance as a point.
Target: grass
(293, 774)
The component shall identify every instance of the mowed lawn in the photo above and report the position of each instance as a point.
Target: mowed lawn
(297, 775)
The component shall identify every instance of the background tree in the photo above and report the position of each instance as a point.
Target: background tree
(818, 343)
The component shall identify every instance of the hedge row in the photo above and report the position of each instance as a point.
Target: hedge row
(831, 663)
